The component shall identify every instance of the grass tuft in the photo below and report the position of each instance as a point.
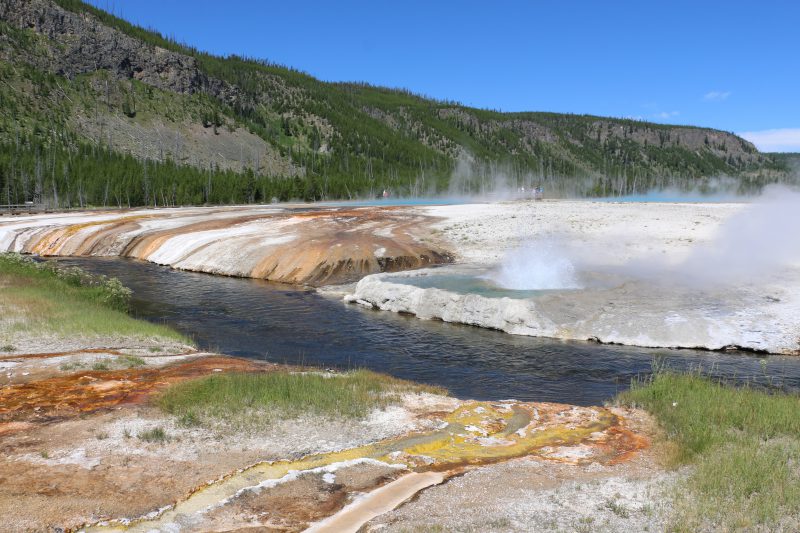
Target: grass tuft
(131, 361)
(43, 299)
(252, 400)
(617, 508)
(123, 361)
(743, 443)
(156, 435)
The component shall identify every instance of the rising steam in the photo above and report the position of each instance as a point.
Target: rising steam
(749, 247)
(753, 244)
(536, 266)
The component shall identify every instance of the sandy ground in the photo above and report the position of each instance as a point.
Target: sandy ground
(531, 495)
(71, 446)
(484, 233)
(539, 494)
(83, 469)
(73, 454)
(39, 364)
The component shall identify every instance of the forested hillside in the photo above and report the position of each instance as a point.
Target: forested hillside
(96, 111)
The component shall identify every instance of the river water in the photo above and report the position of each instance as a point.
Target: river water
(279, 323)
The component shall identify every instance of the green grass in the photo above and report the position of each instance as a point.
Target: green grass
(123, 361)
(743, 445)
(131, 361)
(252, 400)
(617, 508)
(40, 299)
(155, 435)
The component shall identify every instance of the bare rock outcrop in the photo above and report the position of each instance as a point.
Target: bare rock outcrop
(82, 44)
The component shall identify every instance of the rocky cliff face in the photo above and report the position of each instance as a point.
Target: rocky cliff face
(578, 131)
(80, 44)
(720, 143)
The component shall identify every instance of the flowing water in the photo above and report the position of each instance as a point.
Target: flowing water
(256, 319)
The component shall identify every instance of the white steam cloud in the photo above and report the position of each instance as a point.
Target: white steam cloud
(749, 247)
(753, 244)
(536, 266)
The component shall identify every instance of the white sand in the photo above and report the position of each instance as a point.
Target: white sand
(483, 233)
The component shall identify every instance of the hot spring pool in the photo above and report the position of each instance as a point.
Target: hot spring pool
(466, 284)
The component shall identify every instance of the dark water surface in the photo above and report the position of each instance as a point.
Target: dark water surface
(252, 318)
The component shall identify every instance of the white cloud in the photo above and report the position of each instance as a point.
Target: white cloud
(667, 114)
(777, 140)
(716, 96)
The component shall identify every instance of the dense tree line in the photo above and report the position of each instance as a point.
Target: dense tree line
(348, 140)
(86, 175)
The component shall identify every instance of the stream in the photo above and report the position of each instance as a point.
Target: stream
(285, 324)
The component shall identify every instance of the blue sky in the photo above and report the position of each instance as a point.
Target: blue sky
(732, 65)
